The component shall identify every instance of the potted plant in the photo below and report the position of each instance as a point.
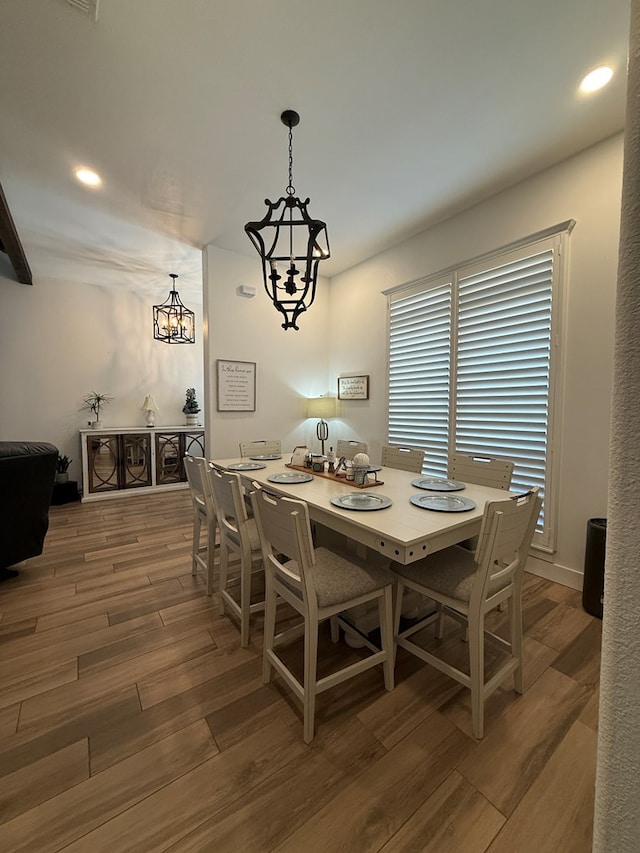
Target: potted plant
(93, 402)
(191, 407)
(62, 468)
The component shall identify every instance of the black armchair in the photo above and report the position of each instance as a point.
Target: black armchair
(27, 475)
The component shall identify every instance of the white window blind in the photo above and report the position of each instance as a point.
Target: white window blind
(470, 366)
(419, 372)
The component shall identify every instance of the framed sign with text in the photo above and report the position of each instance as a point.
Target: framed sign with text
(353, 388)
(236, 386)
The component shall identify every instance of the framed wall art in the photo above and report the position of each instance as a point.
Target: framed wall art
(236, 386)
(353, 388)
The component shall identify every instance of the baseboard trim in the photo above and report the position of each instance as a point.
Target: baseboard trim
(553, 572)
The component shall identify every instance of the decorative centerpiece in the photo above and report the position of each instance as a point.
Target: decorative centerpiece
(360, 468)
(93, 402)
(191, 408)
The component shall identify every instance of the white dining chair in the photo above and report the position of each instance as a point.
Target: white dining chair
(481, 470)
(404, 458)
(260, 448)
(468, 586)
(319, 584)
(204, 516)
(239, 537)
(349, 448)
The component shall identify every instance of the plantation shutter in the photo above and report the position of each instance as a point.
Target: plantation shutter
(419, 371)
(503, 358)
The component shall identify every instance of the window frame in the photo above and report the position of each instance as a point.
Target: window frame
(556, 238)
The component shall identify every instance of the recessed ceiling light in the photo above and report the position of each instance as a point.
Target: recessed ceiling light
(87, 176)
(596, 79)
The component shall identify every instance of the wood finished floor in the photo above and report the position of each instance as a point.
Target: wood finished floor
(131, 719)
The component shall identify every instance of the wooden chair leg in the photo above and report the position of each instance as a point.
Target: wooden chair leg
(224, 566)
(335, 630)
(476, 669)
(211, 555)
(195, 547)
(270, 604)
(245, 600)
(385, 610)
(515, 622)
(310, 676)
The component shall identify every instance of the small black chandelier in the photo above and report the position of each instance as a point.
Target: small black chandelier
(291, 245)
(173, 323)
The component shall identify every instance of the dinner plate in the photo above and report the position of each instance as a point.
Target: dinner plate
(438, 484)
(290, 477)
(443, 503)
(245, 466)
(361, 501)
(267, 456)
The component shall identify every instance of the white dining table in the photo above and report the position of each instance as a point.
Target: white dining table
(402, 531)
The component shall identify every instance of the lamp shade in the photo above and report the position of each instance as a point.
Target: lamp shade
(149, 404)
(321, 407)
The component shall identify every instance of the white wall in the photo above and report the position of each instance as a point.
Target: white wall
(290, 365)
(586, 188)
(62, 339)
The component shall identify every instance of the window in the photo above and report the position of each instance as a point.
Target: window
(472, 361)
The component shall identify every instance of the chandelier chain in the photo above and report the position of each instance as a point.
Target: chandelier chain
(291, 190)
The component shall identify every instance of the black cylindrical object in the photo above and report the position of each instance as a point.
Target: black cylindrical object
(593, 585)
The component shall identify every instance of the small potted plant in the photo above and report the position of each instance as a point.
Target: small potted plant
(191, 407)
(62, 468)
(93, 402)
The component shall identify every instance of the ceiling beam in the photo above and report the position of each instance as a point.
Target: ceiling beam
(10, 243)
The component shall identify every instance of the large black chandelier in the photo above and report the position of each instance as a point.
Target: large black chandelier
(291, 245)
(173, 322)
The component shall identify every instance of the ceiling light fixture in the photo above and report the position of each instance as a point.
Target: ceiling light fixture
(596, 79)
(291, 244)
(173, 323)
(87, 176)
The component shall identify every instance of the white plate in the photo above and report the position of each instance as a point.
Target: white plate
(245, 466)
(438, 484)
(361, 501)
(290, 477)
(266, 457)
(443, 503)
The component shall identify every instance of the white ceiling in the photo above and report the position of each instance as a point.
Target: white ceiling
(410, 111)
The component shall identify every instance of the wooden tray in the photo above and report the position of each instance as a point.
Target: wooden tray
(340, 478)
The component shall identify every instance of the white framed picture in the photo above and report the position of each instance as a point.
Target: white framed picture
(236, 386)
(353, 388)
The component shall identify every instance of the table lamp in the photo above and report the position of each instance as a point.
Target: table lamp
(150, 408)
(321, 407)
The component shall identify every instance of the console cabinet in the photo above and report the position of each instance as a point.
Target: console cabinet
(147, 459)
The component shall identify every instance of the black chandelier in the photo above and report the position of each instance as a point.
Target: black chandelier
(173, 323)
(291, 245)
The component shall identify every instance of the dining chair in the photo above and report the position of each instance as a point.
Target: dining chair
(319, 584)
(204, 514)
(481, 470)
(348, 448)
(260, 448)
(404, 458)
(468, 586)
(238, 536)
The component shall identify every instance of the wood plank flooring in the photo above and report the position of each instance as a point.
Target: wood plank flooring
(132, 720)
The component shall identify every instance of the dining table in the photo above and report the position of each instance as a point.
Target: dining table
(401, 515)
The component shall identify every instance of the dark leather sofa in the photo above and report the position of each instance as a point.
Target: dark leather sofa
(27, 475)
